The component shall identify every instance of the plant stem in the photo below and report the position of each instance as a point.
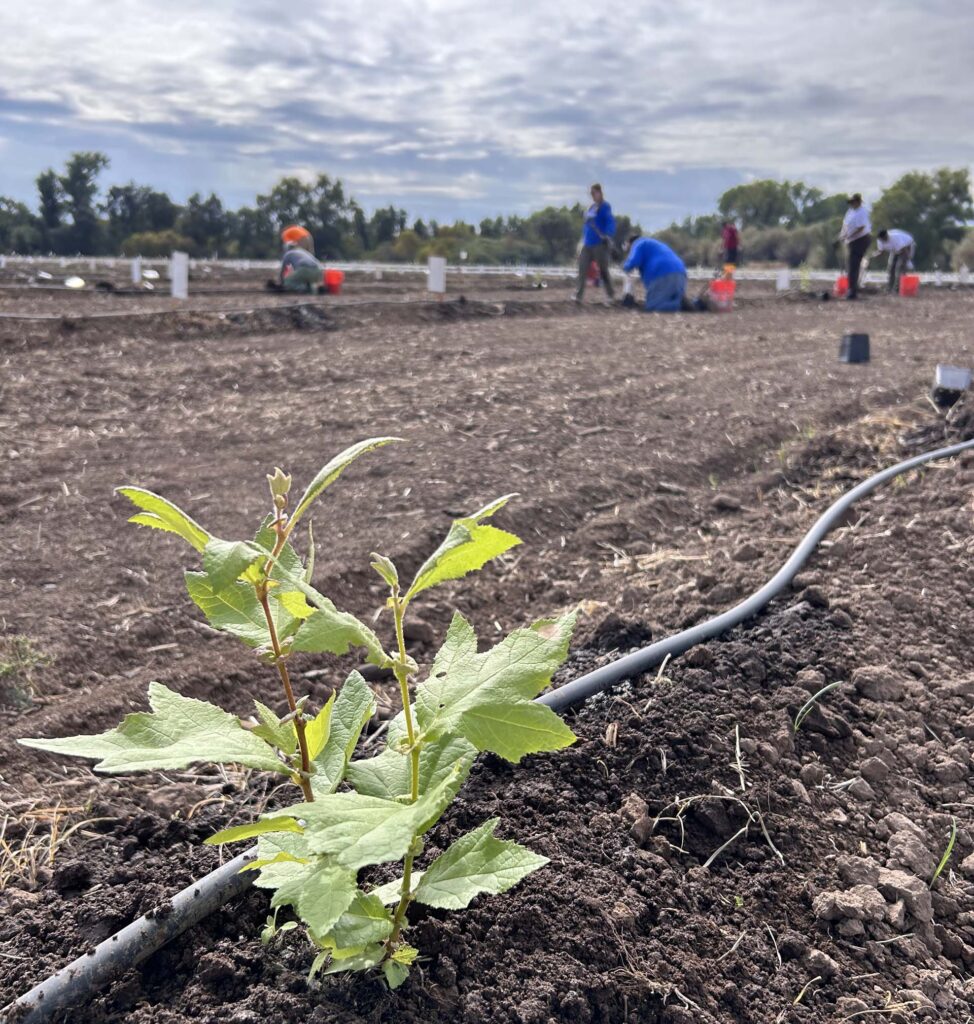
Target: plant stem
(289, 693)
(281, 531)
(402, 674)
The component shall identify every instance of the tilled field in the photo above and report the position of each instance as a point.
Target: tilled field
(665, 467)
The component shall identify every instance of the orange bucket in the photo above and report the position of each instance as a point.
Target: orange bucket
(722, 294)
(333, 281)
(909, 284)
(841, 286)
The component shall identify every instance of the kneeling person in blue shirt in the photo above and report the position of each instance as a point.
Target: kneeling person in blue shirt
(663, 274)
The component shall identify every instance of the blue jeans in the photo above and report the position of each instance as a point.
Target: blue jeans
(665, 294)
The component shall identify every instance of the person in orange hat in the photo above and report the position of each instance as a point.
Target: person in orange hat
(302, 237)
(300, 271)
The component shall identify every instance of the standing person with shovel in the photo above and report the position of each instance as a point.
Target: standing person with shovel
(598, 233)
(856, 233)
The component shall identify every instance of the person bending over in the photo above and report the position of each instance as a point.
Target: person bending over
(855, 233)
(901, 248)
(597, 234)
(300, 271)
(663, 274)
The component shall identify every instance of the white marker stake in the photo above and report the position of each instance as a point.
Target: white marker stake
(437, 276)
(179, 275)
(137, 270)
(783, 280)
(3, 262)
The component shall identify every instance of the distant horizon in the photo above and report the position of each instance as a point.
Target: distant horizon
(451, 110)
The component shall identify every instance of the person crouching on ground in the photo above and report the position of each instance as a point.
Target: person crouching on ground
(300, 271)
(856, 231)
(901, 248)
(663, 274)
(597, 234)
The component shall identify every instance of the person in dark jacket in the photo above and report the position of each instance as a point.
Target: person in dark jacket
(856, 233)
(731, 241)
(598, 233)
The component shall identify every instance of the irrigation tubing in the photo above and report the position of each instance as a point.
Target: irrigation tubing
(79, 981)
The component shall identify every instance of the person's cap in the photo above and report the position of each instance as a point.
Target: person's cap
(854, 198)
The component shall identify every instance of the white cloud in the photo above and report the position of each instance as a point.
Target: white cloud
(467, 101)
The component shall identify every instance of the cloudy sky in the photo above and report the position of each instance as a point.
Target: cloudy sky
(462, 108)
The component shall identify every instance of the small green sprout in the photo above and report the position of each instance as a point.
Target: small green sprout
(355, 814)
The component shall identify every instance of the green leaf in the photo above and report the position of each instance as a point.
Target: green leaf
(468, 546)
(366, 921)
(161, 514)
(327, 630)
(475, 863)
(353, 707)
(178, 732)
(320, 894)
(296, 604)
(224, 561)
(395, 973)
(359, 962)
(513, 672)
(283, 857)
(278, 858)
(275, 732)
(513, 730)
(385, 568)
(254, 828)
(387, 774)
(361, 830)
(390, 893)
(329, 473)
(236, 610)
(317, 730)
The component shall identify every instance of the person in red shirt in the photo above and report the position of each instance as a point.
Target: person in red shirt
(731, 240)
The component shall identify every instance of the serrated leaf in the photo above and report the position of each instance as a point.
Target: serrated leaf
(388, 774)
(252, 829)
(366, 921)
(236, 610)
(513, 672)
(273, 731)
(353, 707)
(316, 731)
(361, 830)
(224, 561)
(329, 473)
(319, 895)
(474, 864)
(288, 560)
(327, 630)
(161, 514)
(513, 730)
(468, 546)
(178, 732)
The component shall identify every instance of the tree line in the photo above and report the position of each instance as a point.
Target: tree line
(783, 222)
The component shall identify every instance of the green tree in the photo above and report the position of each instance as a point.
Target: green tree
(79, 186)
(206, 222)
(135, 208)
(19, 229)
(50, 201)
(934, 208)
(759, 204)
(155, 243)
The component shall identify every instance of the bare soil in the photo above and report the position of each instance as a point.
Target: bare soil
(665, 466)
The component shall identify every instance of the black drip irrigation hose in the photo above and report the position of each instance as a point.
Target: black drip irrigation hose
(80, 980)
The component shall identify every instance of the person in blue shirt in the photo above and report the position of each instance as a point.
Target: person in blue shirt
(598, 233)
(662, 271)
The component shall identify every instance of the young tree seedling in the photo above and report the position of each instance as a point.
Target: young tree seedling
(355, 814)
